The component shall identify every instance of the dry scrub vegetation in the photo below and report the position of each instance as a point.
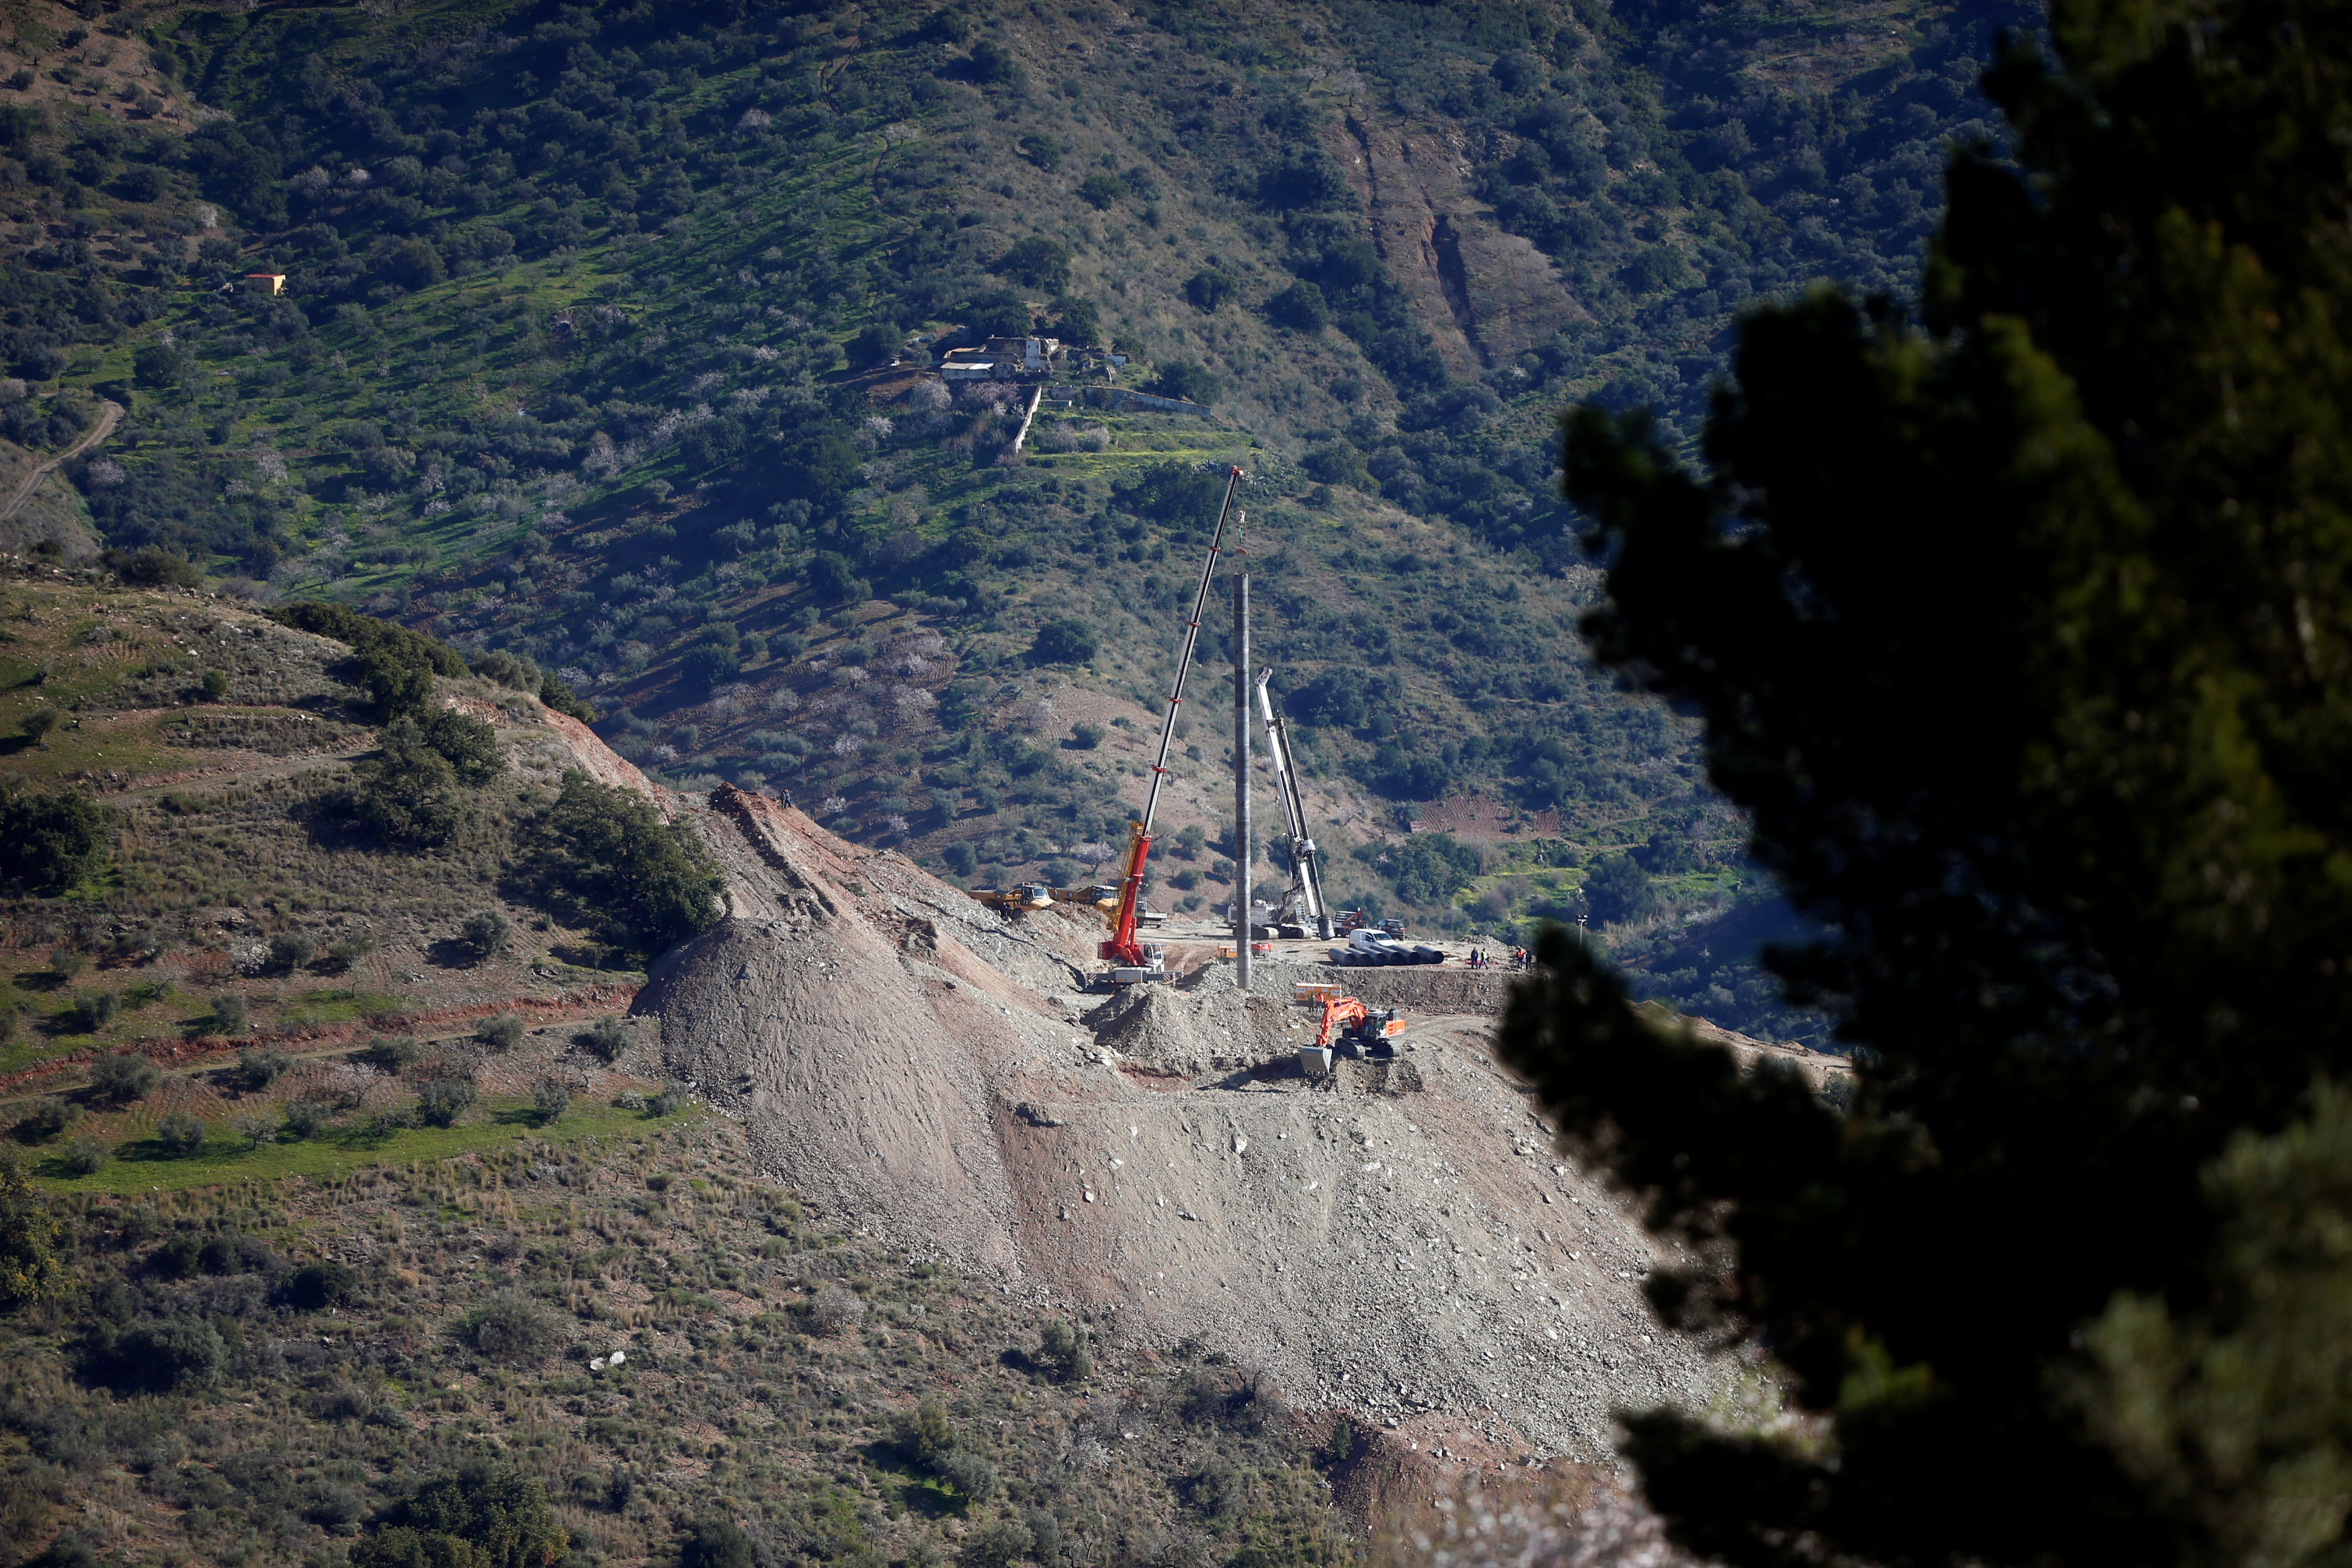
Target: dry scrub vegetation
(785, 1394)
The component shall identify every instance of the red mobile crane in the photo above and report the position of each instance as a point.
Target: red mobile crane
(1129, 960)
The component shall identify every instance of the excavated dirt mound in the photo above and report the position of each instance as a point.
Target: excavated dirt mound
(1425, 988)
(1395, 1239)
(1199, 1025)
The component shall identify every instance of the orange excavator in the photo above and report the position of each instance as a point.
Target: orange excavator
(1131, 960)
(1349, 1028)
(1354, 1030)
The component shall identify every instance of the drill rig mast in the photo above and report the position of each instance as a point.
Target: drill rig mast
(1303, 905)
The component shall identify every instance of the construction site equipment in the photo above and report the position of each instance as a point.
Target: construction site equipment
(1104, 895)
(1130, 959)
(1350, 920)
(1018, 900)
(1367, 948)
(1353, 1028)
(1242, 836)
(1301, 908)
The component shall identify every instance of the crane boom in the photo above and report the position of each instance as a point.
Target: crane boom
(1306, 882)
(1121, 950)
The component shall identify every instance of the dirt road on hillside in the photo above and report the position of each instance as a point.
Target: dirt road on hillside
(106, 420)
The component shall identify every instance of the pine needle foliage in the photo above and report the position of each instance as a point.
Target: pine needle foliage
(2024, 633)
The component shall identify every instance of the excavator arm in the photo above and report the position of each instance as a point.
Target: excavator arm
(1338, 1010)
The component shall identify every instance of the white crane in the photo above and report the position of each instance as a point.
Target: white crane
(1302, 906)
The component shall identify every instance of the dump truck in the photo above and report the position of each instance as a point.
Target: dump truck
(1019, 899)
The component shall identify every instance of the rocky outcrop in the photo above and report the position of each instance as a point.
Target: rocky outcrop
(1485, 294)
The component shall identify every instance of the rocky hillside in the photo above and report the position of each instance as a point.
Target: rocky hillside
(849, 1149)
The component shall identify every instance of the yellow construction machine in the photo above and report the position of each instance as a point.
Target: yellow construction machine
(1020, 899)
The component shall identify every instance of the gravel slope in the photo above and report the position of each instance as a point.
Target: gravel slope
(1397, 1241)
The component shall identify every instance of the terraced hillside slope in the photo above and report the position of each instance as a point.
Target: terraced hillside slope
(608, 337)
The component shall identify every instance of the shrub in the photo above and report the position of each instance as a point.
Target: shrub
(1038, 261)
(1002, 1545)
(717, 1544)
(443, 1100)
(1301, 308)
(93, 1010)
(924, 1434)
(1063, 1349)
(46, 1117)
(257, 1069)
(1086, 736)
(1180, 379)
(1217, 1487)
(125, 1076)
(29, 1238)
(672, 1097)
(1430, 867)
(510, 670)
(1045, 1534)
(292, 949)
(706, 664)
(228, 1014)
(317, 1286)
(83, 1156)
(498, 1035)
(970, 1474)
(411, 790)
(1335, 463)
(180, 1133)
(477, 1518)
(551, 1098)
(393, 1052)
(49, 841)
(173, 1352)
(176, 1258)
(394, 662)
(642, 882)
(307, 1118)
(342, 953)
(1618, 890)
(485, 933)
(215, 685)
(558, 694)
(607, 1040)
(511, 1326)
(38, 724)
(836, 1310)
(1210, 288)
(1065, 640)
